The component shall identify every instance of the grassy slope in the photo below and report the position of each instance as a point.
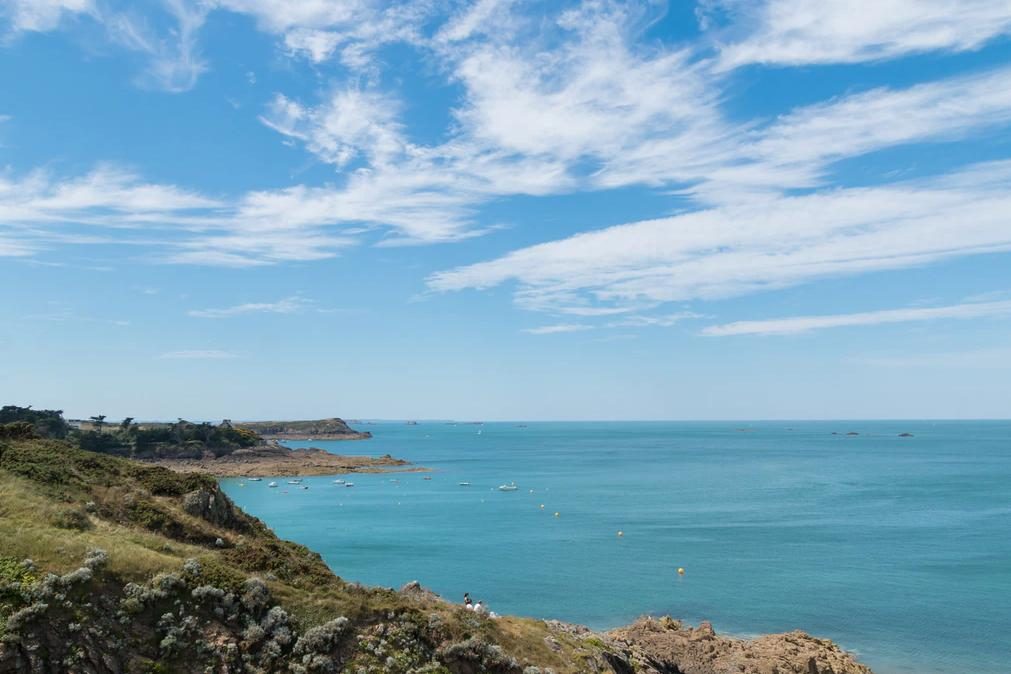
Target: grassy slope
(58, 502)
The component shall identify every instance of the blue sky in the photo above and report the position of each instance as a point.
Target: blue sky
(506, 210)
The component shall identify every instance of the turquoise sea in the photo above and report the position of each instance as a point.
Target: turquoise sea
(897, 548)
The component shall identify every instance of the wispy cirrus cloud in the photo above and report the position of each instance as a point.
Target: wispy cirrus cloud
(801, 324)
(198, 354)
(287, 305)
(42, 15)
(557, 328)
(796, 32)
(757, 245)
(174, 60)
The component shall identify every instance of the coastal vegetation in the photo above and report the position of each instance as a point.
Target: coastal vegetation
(109, 565)
(180, 439)
(112, 565)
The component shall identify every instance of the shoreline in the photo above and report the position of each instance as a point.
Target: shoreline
(275, 460)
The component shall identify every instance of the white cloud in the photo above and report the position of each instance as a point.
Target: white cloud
(558, 328)
(198, 354)
(476, 18)
(798, 324)
(797, 149)
(858, 124)
(662, 320)
(318, 45)
(757, 245)
(352, 123)
(795, 32)
(320, 28)
(42, 15)
(288, 305)
(174, 64)
(539, 115)
(107, 195)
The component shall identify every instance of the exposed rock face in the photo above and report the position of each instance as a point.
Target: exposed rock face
(215, 507)
(668, 646)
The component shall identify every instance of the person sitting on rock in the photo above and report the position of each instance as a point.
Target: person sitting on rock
(479, 607)
(466, 601)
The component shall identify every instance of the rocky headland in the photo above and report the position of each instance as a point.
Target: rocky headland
(315, 429)
(275, 460)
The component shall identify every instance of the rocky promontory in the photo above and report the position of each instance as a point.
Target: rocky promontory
(315, 429)
(275, 460)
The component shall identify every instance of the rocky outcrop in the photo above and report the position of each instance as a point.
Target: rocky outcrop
(216, 508)
(667, 646)
(275, 460)
(317, 429)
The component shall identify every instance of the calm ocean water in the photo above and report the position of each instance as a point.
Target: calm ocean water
(897, 548)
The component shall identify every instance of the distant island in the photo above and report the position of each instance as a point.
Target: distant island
(116, 566)
(320, 429)
(227, 449)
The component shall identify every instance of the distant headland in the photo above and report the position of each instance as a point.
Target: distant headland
(225, 449)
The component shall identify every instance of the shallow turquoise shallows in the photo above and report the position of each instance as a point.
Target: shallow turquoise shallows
(899, 548)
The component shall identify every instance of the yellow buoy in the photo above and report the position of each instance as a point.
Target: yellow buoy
(681, 571)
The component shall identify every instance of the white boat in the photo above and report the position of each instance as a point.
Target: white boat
(349, 484)
(338, 481)
(255, 479)
(508, 487)
(272, 484)
(464, 484)
(294, 481)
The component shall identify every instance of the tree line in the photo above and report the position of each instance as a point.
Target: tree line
(179, 439)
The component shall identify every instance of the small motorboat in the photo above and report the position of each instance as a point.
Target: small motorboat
(255, 479)
(464, 484)
(272, 484)
(349, 484)
(338, 481)
(508, 487)
(294, 481)
(426, 478)
(305, 486)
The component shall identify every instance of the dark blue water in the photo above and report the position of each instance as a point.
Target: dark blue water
(897, 548)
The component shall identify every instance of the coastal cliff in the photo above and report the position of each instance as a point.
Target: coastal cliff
(111, 566)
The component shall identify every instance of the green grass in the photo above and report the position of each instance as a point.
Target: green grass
(58, 502)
